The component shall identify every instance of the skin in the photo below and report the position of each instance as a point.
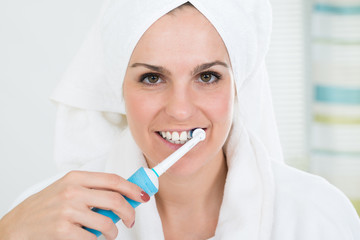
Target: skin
(166, 88)
(182, 44)
(59, 211)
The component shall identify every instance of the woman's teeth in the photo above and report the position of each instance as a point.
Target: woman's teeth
(176, 137)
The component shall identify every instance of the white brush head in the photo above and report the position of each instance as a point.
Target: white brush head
(199, 133)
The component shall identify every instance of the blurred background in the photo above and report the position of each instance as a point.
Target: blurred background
(313, 64)
(314, 68)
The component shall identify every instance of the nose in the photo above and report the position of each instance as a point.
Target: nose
(179, 103)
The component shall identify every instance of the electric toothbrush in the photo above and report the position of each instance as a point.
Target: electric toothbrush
(147, 178)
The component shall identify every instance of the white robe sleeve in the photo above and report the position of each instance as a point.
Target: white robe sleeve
(308, 207)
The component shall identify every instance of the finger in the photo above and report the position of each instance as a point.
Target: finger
(103, 224)
(84, 198)
(68, 230)
(80, 233)
(78, 212)
(113, 201)
(108, 181)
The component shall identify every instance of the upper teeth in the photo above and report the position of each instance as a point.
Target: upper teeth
(176, 137)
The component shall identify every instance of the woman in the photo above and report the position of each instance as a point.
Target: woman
(163, 70)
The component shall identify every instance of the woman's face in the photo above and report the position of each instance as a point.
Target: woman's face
(179, 78)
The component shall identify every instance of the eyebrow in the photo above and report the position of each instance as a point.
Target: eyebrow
(205, 66)
(152, 67)
(196, 70)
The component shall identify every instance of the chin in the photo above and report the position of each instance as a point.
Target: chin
(185, 167)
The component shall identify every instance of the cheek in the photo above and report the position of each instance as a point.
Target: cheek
(140, 108)
(138, 115)
(219, 107)
(136, 110)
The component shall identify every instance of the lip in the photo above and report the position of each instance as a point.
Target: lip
(173, 145)
(178, 130)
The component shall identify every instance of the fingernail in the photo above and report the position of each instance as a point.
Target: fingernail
(132, 224)
(144, 196)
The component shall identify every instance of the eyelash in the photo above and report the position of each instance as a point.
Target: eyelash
(213, 74)
(147, 75)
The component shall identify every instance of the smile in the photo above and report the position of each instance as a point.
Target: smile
(176, 137)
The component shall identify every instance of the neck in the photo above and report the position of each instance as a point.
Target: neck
(201, 185)
(198, 195)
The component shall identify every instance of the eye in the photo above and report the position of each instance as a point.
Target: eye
(209, 77)
(151, 78)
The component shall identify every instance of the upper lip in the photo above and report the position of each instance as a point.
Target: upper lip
(179, 130)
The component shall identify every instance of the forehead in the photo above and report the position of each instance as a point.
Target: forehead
(184, 32)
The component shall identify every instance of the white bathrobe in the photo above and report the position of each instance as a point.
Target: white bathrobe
(263, 198)
(272, 201)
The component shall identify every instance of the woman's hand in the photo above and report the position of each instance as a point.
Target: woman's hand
(60, 210)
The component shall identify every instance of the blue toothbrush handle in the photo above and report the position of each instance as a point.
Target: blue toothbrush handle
(140, 178)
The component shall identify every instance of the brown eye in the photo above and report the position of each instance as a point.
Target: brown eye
(209, 77)
(151, 78)
(206, 77)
